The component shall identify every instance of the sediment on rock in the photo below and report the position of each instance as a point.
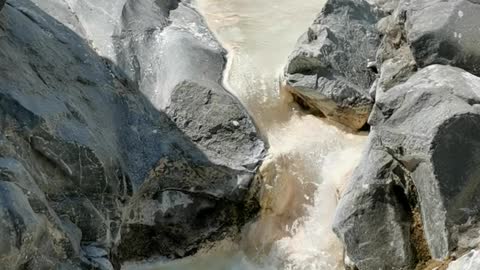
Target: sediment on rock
(330, 68)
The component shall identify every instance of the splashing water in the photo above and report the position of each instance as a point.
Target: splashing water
(309, 159)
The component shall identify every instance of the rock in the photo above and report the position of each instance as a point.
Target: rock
(97, 258)
(2, 3)
(28, 239)
(469, 261)
(329, 69)
(387, 6)
(178, 65)
(427, 126)
(397, 69)
(80, 132)
(430, 121)
(444, 32)
(394, 57)
(173, 46)
(373, 217)
(63, 13)
(173, 210)
(215, 120)
(93, 24)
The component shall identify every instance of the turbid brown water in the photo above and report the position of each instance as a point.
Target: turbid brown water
(309, 159)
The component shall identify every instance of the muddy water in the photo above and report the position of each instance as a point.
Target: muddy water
(309, 159)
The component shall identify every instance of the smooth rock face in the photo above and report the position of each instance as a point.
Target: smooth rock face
(328, 71)
(90, 159)
(444, 32)
(428, 126)
(172, 46)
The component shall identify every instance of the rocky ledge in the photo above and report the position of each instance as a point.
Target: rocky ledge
(329, 70)
(410, 67)
(117, 140)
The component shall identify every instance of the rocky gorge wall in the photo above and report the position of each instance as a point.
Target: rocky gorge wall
(409, 70)
(117, 140)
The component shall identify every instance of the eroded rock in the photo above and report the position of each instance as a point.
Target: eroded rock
(427, 126)
(217, 123)
(330, 70)
(79, 131)
(373, 217)
(30, 238)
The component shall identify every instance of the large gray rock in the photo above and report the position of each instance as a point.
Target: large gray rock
(213, 119)
(428, 126)
(172, 46)
(444, 32)
(99, 163)
(328, 71)
(169, 56)
(373, 217)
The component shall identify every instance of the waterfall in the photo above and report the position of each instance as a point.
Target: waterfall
(309, 160)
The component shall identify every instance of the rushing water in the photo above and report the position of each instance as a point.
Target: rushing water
(309, 159)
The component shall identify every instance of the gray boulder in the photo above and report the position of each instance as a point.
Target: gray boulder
(444, 32)
(97, 163)
(174, 60)
(217, 123)
(2, 3)
(373, 218)
(329, 70)
(169, 56)
(172, 46)
(428, 126)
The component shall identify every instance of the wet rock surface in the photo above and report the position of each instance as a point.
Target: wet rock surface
(413, 196)
(90, 163)
(331, 69)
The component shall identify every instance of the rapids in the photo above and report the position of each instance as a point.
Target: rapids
(309, 158)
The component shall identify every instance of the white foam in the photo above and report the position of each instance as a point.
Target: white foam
(309, 160)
